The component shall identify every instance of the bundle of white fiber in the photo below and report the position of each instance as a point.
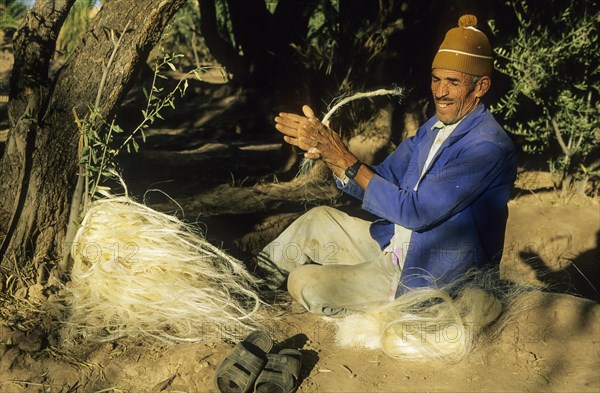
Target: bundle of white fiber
(307, 164)
(144, 274)
(429, 324)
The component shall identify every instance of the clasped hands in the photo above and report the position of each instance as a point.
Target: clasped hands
(315, 138)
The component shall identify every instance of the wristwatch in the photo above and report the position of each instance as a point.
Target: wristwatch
(352, 170)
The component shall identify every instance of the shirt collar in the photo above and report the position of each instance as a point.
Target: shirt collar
(438, 124)
(448, 128)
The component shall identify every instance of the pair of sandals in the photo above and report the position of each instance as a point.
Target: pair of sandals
(250, 367)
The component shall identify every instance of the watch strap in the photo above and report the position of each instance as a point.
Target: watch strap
(352, 170)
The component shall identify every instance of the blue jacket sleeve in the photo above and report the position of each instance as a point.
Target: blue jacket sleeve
(440, 194)
(391, 169)
(397, 164)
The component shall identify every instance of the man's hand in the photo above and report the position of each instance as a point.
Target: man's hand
(320, 142)
(317, 139)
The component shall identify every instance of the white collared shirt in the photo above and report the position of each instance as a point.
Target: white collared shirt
(443, 134)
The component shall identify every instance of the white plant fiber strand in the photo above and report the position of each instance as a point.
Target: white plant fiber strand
(428, 324)
(307, 164)
(396, 91)
(144, 274)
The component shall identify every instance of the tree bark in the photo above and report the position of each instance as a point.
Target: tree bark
(220, 48)
(39, 167)
(34, 44)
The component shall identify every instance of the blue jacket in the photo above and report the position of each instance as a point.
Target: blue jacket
(458, 213)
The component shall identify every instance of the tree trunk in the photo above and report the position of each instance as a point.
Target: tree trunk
(39, 167)
(34, 44)
(263, 55)
(220, 48)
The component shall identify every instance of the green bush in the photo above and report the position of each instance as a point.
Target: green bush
(183, 36)
(552, 60)
(347, 49)
(11, 14)
(75, 26)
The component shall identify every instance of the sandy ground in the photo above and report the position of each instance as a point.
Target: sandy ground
(552, 345)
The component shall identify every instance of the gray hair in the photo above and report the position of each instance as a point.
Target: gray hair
(474, 81)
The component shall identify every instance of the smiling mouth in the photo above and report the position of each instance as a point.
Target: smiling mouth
(443, 104)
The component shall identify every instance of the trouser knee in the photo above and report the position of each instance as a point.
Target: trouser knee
(306, 287)
(298, 281)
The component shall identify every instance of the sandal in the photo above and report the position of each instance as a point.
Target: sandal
(280, 375)
(238, 371)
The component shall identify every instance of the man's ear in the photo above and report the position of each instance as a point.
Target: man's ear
(483, 85)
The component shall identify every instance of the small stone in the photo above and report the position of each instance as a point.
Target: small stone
(9, 336)
(8, 359)
(32, 342)
(21, 293)
(36, 293)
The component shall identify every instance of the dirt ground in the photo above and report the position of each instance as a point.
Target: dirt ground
(223, 178)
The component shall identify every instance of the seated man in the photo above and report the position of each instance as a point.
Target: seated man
(441, 196)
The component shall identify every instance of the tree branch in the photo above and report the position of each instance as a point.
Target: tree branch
(34, 45)
(593, 166)
(560, 140)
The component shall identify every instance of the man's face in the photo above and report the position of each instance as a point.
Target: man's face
(454, 94)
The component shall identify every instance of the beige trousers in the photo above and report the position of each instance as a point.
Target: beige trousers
(333, 265)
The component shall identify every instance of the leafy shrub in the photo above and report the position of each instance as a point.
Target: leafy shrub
(183, 36)
(552, 61)
(75, 26)
(11, 14)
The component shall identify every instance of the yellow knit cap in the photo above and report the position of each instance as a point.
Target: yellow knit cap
(465, 49)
